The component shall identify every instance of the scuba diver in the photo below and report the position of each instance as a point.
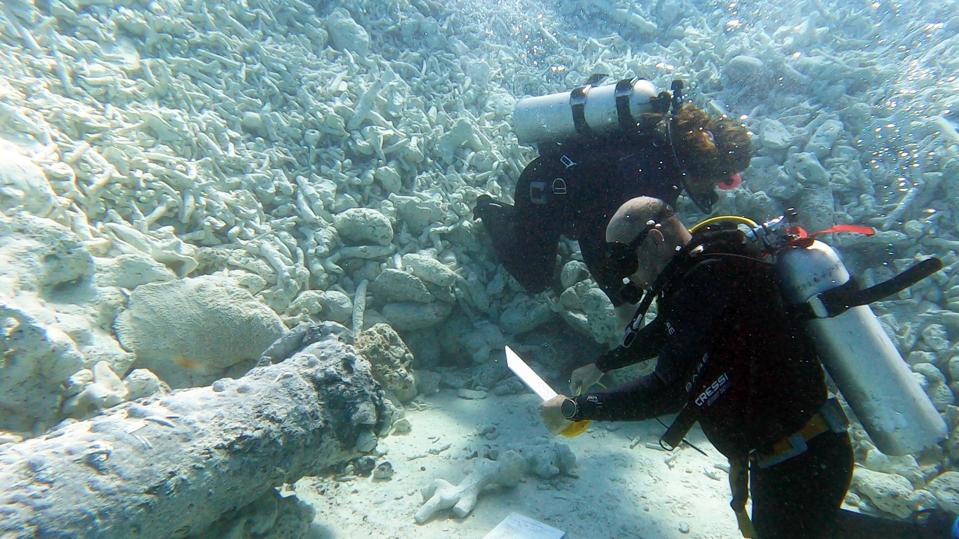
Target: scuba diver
(600, 146)
(738, 353)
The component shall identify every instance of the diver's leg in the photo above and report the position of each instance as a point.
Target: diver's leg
(592, 245)
(800, 498)
(525, 240)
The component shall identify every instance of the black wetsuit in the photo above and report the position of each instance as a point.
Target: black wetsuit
(726, 347)
(573, 191)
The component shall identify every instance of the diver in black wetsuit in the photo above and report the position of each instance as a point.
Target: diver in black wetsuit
(730, 358)
(573, 190)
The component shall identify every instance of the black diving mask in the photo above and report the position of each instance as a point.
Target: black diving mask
(621, 260)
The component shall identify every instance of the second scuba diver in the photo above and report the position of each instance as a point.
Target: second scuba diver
(659, 149)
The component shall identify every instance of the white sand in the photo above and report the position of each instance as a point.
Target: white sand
(622, 488)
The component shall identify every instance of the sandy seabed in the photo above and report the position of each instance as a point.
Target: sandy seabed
(622, 487)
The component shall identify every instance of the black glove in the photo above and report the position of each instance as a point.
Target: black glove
(482, 202)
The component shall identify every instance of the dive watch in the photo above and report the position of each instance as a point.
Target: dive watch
(569, 408)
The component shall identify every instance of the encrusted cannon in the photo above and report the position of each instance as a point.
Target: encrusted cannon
(170, 466)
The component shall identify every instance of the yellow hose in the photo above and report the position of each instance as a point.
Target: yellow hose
(720, 218)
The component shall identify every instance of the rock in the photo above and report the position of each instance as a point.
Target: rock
(766, 175)
(402, 426)
(489, 373)
(954, 368)
(824, 138)
(37, 359)
(130, 271)
(336, 306)
(42, 257)
(670, 11)
(888, 492)
(945, 487)
(857, 116)
(389, 179)
(410, 316)
(360, 226)
(774, 135)
(303, 308)
(390, 360)
(744, 69)
(142, 383)
(272, 515)
(346, 34)
(104, 391)
(23, 185)
(394, 286)
(509, 386)
(429, 269)
(470, 394)
(252, 122)
(815, 208)
(939, 392)
(936, 337)
(190, 330)
(427, 382)
(920, 356)
(459, 135)
(577, 321)
(363, 466)
(905, 466)
(549, 460)
(572, 297)
(383, 471)
(601, 315)
(482, 340)
(418, 212)
(524, 314)
(805, 168)
(573, 272)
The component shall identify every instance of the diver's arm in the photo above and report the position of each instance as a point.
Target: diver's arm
(693, 319)
(659, 393)
(649, 341)
(648, 396)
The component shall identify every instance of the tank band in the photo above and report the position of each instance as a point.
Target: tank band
(624, 89)
(577, 103)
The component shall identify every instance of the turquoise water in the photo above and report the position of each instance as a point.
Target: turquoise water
(183, 182)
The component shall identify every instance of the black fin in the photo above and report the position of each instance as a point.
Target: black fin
(595, 79)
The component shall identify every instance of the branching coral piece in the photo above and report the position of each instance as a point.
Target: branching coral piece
(441, 494)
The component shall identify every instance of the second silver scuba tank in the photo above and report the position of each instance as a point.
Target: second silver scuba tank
(858, 354)
(585, 111)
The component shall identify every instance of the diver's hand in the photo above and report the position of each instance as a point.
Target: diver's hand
(583, 378)
(552, 414)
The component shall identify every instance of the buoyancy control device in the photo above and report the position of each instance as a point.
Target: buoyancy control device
(854, 349)
(589, 110)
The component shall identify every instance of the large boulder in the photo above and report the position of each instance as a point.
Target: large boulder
(190, 331)
(390, 360)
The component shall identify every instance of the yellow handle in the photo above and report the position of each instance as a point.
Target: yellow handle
(577, 428)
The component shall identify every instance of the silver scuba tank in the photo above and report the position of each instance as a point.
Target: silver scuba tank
(859, 356)
(587, 110)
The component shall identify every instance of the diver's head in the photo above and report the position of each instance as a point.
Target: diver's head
(712, 152)
(641, 238)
